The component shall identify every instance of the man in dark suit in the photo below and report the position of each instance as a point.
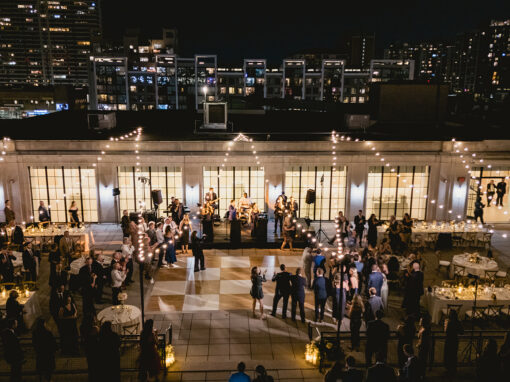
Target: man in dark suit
(58, 298)
(282, 290)
(411, 372)
(124, 223)
(359, 225)
(13, 352)
(381, 372)
(351, 374)
(376, 279)
(6, 266)
(413, 291)
(10, 216)
(59, 277)
(29, 262)
(14, 310)
(298, 295)
(500, 191)
(378, 333)
(88, 286)
(321, 294)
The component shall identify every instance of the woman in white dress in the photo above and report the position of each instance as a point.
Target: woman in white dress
(384, 292)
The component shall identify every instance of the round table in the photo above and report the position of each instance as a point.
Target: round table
(477, 269)
(125, 319)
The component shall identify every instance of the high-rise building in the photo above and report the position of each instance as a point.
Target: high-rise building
(361, 49)
(47, 42)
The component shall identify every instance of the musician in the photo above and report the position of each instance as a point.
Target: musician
(207, 212)
(292, 206)
(177, 211)
(279, 210)
(170, 206)
(212, 198)
(283, 196)
(244, 202)
(232, 210)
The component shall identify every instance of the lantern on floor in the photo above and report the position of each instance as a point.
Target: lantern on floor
(170, 355)
(311, 353)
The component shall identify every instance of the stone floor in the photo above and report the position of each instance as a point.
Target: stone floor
(210, 311)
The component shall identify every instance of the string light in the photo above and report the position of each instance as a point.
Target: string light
(5, 142)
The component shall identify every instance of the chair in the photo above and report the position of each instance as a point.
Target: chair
(8, 285)
(131, 330)
(30, 285)
(485, 241)
(456, 307)
(459, 271)
(457, 241)
(476, 313)
(490, 276)
(443, 263)
(431, 239)
(493, 311)
(470, 239)
(417, 240)
(503, 274)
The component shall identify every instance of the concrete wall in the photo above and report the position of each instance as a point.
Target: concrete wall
(446, 193)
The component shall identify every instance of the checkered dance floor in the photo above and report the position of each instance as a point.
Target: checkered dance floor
(224, 285)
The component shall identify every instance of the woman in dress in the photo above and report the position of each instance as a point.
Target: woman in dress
(169, 247)
(289, 231)
(340, 290)
(372, 230)
(255, 212)
(394, 235)
(279, 210)
(73, 215)
(407, 229)
(384, 288)
(69, 338)
(354, 282)
(356, 313)
(424, 342)
(257, 278)
(150, 362)
(452, 329)
(184, 230)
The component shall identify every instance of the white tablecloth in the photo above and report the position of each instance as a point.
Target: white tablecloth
(30, 306)
(80, 262)
(436, 302)
(121, 316)
(84, 236)
(19, 259)
(478, 269)
(434, 230)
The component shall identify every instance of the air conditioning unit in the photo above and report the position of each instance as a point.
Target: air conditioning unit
(357, 121)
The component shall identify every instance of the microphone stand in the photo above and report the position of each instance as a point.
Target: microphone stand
(321, 232)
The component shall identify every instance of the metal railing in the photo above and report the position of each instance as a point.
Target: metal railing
(77, 364)
(471, 344)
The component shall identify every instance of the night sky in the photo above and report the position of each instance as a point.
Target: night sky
(255, 29)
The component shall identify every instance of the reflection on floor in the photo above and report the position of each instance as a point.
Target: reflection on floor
(224, 285)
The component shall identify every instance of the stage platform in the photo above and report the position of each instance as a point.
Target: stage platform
(222, 236)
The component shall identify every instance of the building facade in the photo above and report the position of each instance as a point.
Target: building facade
(48, 42)
(425, 179)
(174, 83)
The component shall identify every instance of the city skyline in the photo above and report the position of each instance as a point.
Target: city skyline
(273, 33)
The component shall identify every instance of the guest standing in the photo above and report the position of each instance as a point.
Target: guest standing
(413, 291)
(478, 211)
(339, 297)
(378, 333)
(356, 313)
(45, 348)
(321, 294)
(359, 225)
(73, 215)
(453, 328)
(307, 260)
(257, 278)
(109, 345)
(170, 257)
(13, 352)
(30, 262)
(373, 223)
(279, 211)
(44, 215)
(375, 303)
(487, 368)
(14, 310)
(240, 376)
(88, 286)
(67, 317)
(198, 253)
(289, 231)
(184, 230)
(500, 191)
(124, 223)
(394, 235)
(375, 280)
(118, 277)
(67, 247)
(298, 295)
(150, 362)
(282, 290)
(405, 335)
(424, 343)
